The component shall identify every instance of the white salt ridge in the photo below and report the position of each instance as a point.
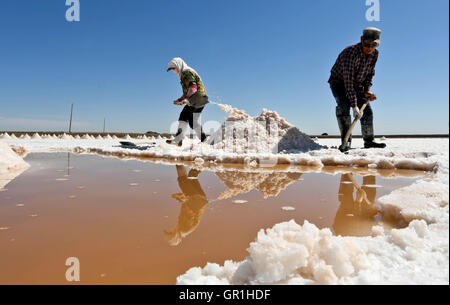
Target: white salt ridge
(426, 200)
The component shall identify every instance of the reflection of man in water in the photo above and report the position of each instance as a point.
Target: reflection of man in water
(193, 202)
(355, 216)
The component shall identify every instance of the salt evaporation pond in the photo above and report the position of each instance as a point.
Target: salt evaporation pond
(130, 221)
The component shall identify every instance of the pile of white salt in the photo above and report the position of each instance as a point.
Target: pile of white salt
(266, 133)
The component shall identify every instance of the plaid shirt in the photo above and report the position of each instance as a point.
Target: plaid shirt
(355, 69)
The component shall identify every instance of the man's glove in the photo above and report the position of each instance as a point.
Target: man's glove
(370, 96)
(357, 114)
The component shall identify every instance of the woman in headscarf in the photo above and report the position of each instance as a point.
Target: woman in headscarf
(194, 98)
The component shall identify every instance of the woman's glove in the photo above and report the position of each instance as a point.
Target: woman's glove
(181, 102)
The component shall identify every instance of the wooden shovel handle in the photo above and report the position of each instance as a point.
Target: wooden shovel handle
(349, 132)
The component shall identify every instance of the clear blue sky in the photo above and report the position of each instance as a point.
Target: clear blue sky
(252, 54)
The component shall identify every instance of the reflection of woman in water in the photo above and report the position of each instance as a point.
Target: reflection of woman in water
(355, 216)
(193, 202)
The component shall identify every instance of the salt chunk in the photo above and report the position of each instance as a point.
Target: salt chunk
(199, 161)
(240, 201)
(377, 231)
(325, 275)
(288, 208)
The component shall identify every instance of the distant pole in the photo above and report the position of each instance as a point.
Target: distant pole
(104, 123)
(70, 124)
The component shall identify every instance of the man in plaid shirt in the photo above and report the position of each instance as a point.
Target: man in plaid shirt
(350, 82)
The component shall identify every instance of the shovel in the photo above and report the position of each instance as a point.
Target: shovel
(197, 100)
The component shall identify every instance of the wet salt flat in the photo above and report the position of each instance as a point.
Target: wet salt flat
(129, 221)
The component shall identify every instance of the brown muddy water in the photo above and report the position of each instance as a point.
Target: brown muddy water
(135, 222)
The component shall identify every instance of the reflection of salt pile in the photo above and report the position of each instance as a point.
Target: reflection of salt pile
(268, 132)
(268, 183)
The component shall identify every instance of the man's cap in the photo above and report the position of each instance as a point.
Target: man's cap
(371, 35)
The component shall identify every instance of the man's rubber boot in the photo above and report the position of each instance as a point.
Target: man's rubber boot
(344, 121)
(345, 148)
(372, 144)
